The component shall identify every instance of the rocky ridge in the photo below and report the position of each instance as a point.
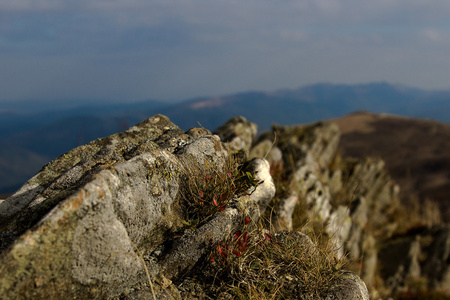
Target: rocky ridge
(108, 219)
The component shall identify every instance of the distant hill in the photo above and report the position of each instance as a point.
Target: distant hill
(45, 130)
(312, 103)
(416, 152)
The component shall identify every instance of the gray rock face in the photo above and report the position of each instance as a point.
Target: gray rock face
(107, 220)
(238, 133)
(66, 174)
(285, 209)
(97, 205)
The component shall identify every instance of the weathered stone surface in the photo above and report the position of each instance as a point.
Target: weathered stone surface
(370, 260)
(315, 193)
(89, 240)
(266, 149)
(83, 223)
(359, 217)
(350, 287)
(369, 179)
(64, 175)
(319, 140)
(338, 228)
(238, 133)
(285, 209)
(358, 204)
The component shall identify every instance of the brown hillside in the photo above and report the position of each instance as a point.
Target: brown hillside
(416, 152)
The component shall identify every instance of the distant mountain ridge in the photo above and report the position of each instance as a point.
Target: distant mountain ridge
(32, 130)
(312, 103)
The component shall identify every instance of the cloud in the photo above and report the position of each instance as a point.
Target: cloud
(31, 5)
(435, 36)
(184, 48)
(295, 36)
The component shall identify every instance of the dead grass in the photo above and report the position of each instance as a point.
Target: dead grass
(258, 264)
(209, 188)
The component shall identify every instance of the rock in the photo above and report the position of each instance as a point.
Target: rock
(367, 178)
(422, 253)
(338, 228)
(308, 151)
(285, 209)
(308, 186)
(93, 222)
(399, 261)
(90, 243)
(359, 218)
(350, 287)
(238, 133)
(110, 220)
(65, 175)
(370, 260)
(435, 255)
(301, 237)
(266, 149)
(319, 140)
(345, 196)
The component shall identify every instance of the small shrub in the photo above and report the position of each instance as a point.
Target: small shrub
(208, 188)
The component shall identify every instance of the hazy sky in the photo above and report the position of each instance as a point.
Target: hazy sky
(176, 49)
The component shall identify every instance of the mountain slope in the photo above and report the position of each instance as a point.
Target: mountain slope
(17, 165)
(416, 152)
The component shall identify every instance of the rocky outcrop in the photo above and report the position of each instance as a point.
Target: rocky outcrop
(422, 254)
(238, 133)
(106, 220)
(356, 203)
(110, 219)
(97, 222)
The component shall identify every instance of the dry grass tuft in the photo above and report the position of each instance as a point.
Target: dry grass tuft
(257, 264)
(208, 188)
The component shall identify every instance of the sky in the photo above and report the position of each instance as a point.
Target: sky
(131, 50)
